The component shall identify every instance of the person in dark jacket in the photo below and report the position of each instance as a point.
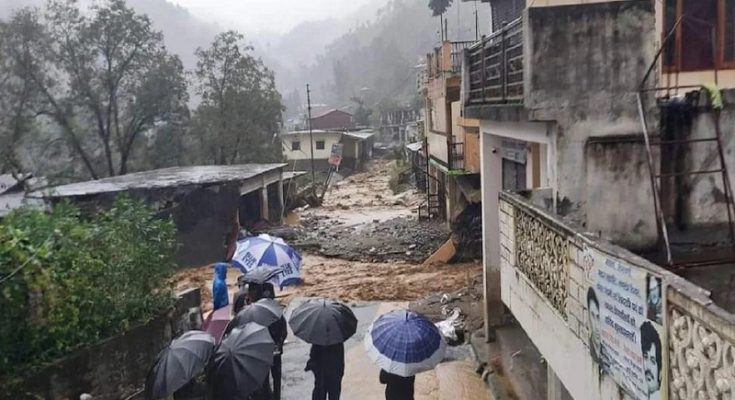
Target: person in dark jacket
(278, 331)
(397, 387)
(240, 299)
(328, 365)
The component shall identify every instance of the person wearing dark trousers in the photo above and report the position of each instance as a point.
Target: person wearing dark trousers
(397, 387)
(278, 331)
(328, 365)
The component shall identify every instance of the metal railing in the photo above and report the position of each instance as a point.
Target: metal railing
(496, 67)
(457, 54)
(436, 63)
(456, 156)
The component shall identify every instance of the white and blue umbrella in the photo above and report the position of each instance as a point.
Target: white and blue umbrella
(404, 343)
(269, 251)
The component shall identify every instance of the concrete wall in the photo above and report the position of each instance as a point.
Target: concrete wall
(491, 184)
(329, 139)
(617, 174)
(114, 367)
(438, 146)
(472, 152)
(583, 74)
(704, 199)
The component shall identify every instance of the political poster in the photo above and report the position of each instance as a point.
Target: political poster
(625, 314)
(335, 158)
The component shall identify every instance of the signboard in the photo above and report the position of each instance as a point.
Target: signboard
(335, 158)
(514, 151)
(626, 335)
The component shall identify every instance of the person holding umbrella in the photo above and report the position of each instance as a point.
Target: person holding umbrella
(177, 366)
(240, 365)
(403, 343)
(269, 313)
(326, 325)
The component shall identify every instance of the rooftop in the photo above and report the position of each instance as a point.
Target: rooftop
(361, 135)
(327, 112)
(161, 178)
(306, 132)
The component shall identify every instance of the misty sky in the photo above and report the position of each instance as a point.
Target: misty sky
(270, 15)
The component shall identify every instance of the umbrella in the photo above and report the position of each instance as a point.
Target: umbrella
(323, 322)
(241, 363)
(217, 321)
(404, 343)
(263, 312)
(178, 363)
(260, 275)
(266, 250)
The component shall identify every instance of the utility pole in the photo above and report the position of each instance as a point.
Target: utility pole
(311, 137)
(477, 23)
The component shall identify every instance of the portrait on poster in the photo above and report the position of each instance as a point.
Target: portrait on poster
(624, 306)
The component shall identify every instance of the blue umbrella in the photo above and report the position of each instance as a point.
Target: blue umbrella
(269, 251)
(404, 343)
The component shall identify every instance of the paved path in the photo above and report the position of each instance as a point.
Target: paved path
(454, 379)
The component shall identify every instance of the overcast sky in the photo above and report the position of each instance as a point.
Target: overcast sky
(269, 15)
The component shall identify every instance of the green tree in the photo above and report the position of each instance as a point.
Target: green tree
(240, 110)
(439, 7)
(104, 77)
(68, 280)
(362, 113)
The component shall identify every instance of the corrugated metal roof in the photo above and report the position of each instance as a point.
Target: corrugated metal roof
(161, 178)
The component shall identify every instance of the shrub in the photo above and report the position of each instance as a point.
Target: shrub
(67, 281)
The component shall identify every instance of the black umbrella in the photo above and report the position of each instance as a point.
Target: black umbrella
(178, 363)
(260, 275)
(263, 312)
(241, 362)
(323, 322)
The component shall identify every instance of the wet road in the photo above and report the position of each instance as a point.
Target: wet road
(455, 376)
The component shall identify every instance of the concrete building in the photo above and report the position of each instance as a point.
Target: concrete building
(13, 193)
(399, 125)
(332, 120)
(451, 141)
(598, 158)
(204, 201)
(356, 148)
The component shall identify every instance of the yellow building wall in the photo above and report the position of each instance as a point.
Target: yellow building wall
(329, 139)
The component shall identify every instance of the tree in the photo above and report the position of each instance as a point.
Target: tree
(17, 96)
(104, 78)
(240, 110)
(362, 113)
(439, 7)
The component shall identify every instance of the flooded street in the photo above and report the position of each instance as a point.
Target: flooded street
(361, 254)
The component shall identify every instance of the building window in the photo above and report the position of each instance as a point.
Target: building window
(295, 145)
(320, 145)
(704, 39)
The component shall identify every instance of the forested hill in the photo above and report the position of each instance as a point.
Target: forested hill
(377, 59)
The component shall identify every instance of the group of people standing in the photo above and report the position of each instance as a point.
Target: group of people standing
(327, 363)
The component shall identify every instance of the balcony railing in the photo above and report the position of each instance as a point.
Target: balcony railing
(496, 67)
(457, 52)
(554, 260)
(446, 59)
(456, 156)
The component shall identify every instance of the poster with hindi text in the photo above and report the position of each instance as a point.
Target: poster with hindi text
(624, 305)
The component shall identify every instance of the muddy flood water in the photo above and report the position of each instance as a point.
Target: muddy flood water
(374, 269)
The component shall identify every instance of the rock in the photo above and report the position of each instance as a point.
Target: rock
(411, 247)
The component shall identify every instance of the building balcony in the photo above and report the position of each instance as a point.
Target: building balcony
(446, 61)
(596, 311)
(495, 67)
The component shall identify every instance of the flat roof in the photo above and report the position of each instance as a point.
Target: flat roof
(292, 174)
(161, 178)
(360, 135)
(306, 132)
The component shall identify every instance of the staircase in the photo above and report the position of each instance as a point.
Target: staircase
(431, 207)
